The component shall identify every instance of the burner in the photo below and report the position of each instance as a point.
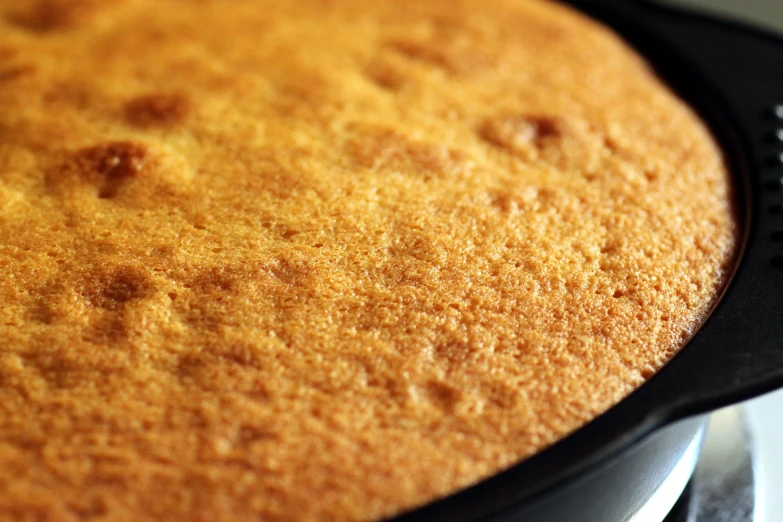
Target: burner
(724, 484)
(722, 487)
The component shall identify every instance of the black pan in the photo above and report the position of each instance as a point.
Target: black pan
(733, 76)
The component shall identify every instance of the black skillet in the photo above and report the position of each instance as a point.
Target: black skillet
(734, 77)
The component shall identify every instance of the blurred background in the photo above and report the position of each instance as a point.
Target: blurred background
(767, 13)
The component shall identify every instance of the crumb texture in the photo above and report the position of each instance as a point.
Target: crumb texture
(329, 260)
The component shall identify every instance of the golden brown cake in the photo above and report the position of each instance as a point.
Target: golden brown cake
(329, 259)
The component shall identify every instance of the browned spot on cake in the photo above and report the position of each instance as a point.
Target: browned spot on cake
(442, 395)
(196, 368)
(247, 435)
(384, 149)
(114, 288)
(117, 160)
(288, 233)
(16, 71)
(43, 312)
(53, 15)
(157, 110)
(8, 52)
(386, 74)
(107, 166)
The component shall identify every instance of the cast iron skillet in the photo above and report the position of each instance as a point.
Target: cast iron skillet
(734, 77)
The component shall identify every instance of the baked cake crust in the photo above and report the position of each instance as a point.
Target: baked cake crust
(329, 259)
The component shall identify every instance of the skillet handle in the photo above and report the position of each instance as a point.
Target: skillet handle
(739, 351)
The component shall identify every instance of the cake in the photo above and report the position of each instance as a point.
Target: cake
(330, 259)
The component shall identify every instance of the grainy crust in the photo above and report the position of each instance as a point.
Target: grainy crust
(329, 259)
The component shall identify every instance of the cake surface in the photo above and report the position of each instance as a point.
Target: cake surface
(329, 259)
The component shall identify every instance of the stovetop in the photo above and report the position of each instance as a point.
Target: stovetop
(766, 428)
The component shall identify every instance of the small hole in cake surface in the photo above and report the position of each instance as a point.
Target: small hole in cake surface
(423, 52)
(521, 133)
(289, 233)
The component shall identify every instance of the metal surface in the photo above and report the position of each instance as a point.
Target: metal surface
(725, 487)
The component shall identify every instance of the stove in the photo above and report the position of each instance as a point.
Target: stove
(766, 430)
